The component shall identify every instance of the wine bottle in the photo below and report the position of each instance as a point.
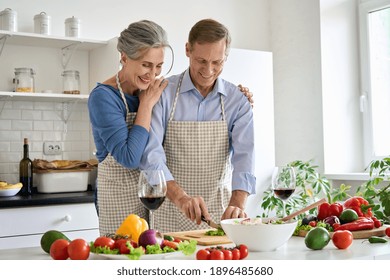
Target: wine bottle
(26, 171)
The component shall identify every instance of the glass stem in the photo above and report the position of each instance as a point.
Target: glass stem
(284, 209)
(151, 220)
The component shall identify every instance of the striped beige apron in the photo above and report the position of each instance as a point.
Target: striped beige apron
(117, 189)
(198, 157)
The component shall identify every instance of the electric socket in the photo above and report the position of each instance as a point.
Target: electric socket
(52, 148)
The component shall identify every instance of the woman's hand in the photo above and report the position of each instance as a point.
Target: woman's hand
(152, 94)
(247, 93)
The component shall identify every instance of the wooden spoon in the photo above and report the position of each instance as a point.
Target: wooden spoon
(292, 215)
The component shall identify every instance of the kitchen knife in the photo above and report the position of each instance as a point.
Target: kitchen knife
(211, 223)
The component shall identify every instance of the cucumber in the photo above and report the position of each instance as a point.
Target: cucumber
(49, 237)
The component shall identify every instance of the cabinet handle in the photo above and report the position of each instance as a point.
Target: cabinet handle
(67, 218)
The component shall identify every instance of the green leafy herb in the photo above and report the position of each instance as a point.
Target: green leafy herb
(187, 247)
(217, 232)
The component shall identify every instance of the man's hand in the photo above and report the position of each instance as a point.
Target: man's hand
(236, 206)
(192, 206)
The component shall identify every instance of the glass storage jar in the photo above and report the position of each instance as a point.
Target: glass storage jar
(24, 80)
(71, 82)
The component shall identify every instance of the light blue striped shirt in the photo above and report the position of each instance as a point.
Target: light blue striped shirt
(192, 106)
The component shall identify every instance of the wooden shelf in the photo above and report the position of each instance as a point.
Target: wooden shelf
(47, 97)
(39, 40)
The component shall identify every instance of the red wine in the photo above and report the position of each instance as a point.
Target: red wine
(283, 193)
(152, 203)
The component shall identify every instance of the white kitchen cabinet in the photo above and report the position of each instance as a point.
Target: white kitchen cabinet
(24, 226)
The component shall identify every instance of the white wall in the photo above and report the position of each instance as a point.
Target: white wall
(295, 41)
(343, 141)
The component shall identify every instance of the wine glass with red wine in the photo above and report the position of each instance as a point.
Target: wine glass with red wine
(152, 189)
(283, 183)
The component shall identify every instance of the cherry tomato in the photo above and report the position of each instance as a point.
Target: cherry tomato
(313, 223)
(387, 231)
(227, 254)
(243, 251)
(59, 249)
(236, 254)
(104, 241)
(119, 242)
(217, 255)
(78, 249)
(342, 239)
(203, 254)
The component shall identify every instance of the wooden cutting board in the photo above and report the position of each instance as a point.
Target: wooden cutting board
(201, 237)
(360, 234)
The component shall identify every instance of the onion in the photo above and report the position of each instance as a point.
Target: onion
(150, 237)
(332, 220)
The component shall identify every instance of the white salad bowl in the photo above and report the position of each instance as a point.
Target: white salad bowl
(258, 234)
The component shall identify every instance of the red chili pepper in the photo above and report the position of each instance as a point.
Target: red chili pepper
(360, 224)
(323, 211)
(360, 205)
(335, 209)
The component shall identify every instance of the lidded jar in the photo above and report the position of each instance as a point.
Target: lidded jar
(9, 20)
(42, 24)
(72, 27)
(24, 80)
(71, 82)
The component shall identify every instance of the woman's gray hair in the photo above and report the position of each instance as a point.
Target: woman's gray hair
(140, 36)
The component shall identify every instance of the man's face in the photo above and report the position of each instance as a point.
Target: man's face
(206, 64)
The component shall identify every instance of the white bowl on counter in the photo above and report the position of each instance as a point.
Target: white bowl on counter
(259, 237)
(9, 192)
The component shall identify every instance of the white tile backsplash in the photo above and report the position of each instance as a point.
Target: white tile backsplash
(40, 122)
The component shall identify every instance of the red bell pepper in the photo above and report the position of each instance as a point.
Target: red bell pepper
(323, 211)
(360, 205)
(326, 210)
(336, 209)
(360, 224)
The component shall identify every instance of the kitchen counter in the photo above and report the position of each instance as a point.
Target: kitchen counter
(294, 249)
(41, 199)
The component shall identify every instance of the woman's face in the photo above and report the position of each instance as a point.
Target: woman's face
(141, 72)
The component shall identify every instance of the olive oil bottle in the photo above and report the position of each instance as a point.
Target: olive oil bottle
(26, 171)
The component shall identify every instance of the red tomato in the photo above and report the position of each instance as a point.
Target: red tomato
(123, 249)
(203, 254)
(243, 251)
(104, 241)
(227, 254)
(59, 249)
(78, 249)
(387, 231)
(217, 255)
(119, 242)
(342, 239)
(313, 223)
(236, 254)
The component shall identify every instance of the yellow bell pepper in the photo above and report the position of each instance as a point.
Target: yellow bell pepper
(133, 226)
